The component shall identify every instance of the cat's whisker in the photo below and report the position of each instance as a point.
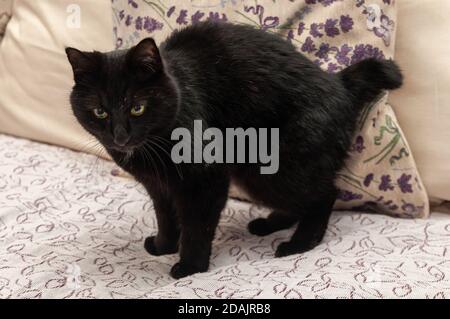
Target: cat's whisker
(93, 167)
(124, 160)
(178, 169)
(162, 139)
(161, 160)
(85, 146)
(94, 147)
(148, 160)
(150, 149)
(151, 162)
(82, 146)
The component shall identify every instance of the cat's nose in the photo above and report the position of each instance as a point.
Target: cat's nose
(121, 136)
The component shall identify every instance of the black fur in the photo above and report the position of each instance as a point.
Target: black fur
(227, 76)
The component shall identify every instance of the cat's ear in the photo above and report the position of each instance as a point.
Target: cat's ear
(144, 58)
(83, 63)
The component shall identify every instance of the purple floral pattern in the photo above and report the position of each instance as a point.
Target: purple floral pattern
(379, 23)
(380, 173)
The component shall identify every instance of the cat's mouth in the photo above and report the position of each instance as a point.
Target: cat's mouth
(122, 149)
(127, 148)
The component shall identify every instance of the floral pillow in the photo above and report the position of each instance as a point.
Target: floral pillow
(380, 173)
(5, 15)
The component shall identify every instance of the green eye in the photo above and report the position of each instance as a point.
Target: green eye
(100, 113)
(138, 110)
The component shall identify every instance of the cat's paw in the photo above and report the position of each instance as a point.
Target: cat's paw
(259, 227)
(180, 270)
(151, 247)
(290, 248)
(285, 249)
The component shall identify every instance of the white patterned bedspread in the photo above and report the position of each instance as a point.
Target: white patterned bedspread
(69, 228)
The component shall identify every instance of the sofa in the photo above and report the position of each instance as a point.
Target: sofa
(72, 225)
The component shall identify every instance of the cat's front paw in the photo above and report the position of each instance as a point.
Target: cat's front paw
(285, 249)
(259, 227)
(290, 248)
(158, 250)
(180, 270)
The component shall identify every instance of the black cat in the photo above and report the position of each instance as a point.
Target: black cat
(228, 76)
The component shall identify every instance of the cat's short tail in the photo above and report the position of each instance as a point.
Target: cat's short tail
(367, 79)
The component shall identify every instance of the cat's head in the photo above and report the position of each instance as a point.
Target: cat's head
(122, 97)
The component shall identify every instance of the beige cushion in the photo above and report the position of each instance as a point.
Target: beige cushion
(35, 77)
(423, 104)
(5, 14)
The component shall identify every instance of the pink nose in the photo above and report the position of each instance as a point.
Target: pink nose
(121, 136)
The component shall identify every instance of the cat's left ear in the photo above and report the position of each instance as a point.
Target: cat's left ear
(83, 63)
(144, 58)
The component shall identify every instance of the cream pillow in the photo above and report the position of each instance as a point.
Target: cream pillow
(5, 15)
(423, 104)
(35, 77)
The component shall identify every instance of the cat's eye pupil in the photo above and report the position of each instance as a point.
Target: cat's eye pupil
(138, 110)
(100, 113)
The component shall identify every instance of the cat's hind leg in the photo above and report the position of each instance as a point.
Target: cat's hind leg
(274, 222)
(310, 230)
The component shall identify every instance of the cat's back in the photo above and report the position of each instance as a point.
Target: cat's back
(236, 41)
(241, 56)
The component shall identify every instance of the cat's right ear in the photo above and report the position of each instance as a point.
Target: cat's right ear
(83, 63)
(144, 59)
